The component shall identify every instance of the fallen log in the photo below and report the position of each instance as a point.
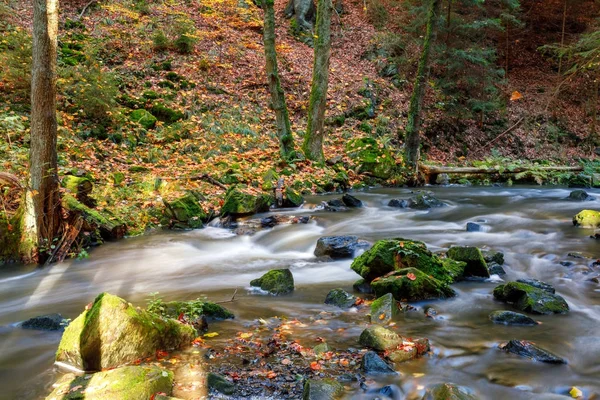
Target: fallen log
(431, 172)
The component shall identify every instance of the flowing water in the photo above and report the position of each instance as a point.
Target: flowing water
(532, 226)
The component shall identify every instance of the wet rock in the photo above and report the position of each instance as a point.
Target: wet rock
(388, 391)
(334, 205)
(474, 227)
(398, 203)
(531, 299)
(274, 220)
(595, 279)
(194, 312)
(587, 219)
(576, 254)
(219, 383)
(496, 269)
(238, 203)
(340, 298)
(511, 318)
(362, 286)
(493, 256)
(49, 322)
(430, 312)
(292, 199)
(379, 338)
(321, 348)
(351, 201)
(185, 212)
(384, 309)
(409, 351)
(580, 195)
(338, 247)
(276, 281)
(567, 263)
(324, 389)
(527, 349)
(111, 332)
(424, 200)
(476, 265)
(372, 364)
(410, 284)
(449, 391)
(131, 382)
(538, 284)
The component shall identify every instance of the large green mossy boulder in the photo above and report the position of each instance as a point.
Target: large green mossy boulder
(378, 338)
(587, 219)
(377, 261)
(449, 391)
(476, 265)
(125, 383)
(410, 284)
(194, 312)
(238, 203)
(111, 332)
(108, 226)
(371, 157)
(277, 281)
(185, 212)
(292, 198)
(531, 299)
(322, 389)
(144, 118)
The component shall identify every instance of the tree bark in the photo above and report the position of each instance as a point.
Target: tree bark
(313, 141)
(413, 142)
(284, 130)
(42, 205)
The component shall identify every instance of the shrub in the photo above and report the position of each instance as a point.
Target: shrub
(160, 41)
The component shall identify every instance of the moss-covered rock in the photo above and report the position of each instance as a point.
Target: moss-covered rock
(111, 332)
(409, 350)
(340, 298)
(384, 309)
(531, 299)
(81, 187)
(277, 281)
(476, 265)
(424, 200)
(165, 114)
(185, 212)
(587, 219)
(371, 157)
(410, 284)
(125, 383)
(144, 118)
(379, 338)
(372, 364)
(194, 312)
(292, 198)
(219, 383)
(511, 318)
(323, 389)
(238, 203)
(377, 261)
(527, 349)
(449, 391)
(108, 226)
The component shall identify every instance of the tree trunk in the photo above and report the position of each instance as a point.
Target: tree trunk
(42, 205)
(448, 17)
(562, 35)
(284, 131)
(313, 141)
(413, 126)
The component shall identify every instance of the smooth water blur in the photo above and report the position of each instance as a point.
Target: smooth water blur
(532, 226)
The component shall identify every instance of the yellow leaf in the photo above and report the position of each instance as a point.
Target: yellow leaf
(575, 393)
(211, 334)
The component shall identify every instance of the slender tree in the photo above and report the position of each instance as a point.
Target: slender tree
(42, 205)
(313, 141)
(413, 140)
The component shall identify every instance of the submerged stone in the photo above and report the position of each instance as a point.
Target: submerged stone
(219, 383)
(449, 391)
(410, 284)
(493, 256)
(130, 382)
(372, 364)
(111, 332)
(587, 219)
(580, 195)
(496, 269)
(340, 298)
(511, 318)
(476, 265)
(338, 247)
(474, 227)
(49, 322)
(322, 389)
(277, 281)
(384, 309)
(424, 200)
(398, 203)
(527, 349)
(531, 299)
(379, 338)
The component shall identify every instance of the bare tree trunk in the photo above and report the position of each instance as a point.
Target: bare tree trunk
(562, 35)
(42, 206)
(313, 141)
(413, 141)
(284, 130)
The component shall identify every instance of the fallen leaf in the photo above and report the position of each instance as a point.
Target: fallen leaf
(315, 366)
(575, 392)
(211, 334)
(515, 96)
(411, 276)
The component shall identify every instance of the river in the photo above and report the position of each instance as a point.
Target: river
(531, 225)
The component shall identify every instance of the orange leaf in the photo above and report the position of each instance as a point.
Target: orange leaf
(515, 96)
(411, 276)
(315, 366)
(271, 374)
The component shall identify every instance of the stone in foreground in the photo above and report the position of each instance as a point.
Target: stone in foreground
(219, 383)
(527, 349)
(531, 299)
(409, 350)
(410, 284)
(276, 281)
(476, 265)
(384, 309)
(324, 389)
(379, 338)
(340, 298)
(131, 382)
(372, 364)
(449, 391)
(338, 247)
(111, 332)
(587, 219)
(511, 318)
